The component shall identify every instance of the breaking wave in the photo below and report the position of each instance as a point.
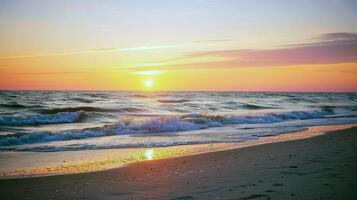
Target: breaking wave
(58, 118)
(144, 126)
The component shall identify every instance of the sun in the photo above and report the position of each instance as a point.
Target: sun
(149, 83)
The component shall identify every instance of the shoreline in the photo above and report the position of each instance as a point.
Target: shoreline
(103, 160)
(321, 167)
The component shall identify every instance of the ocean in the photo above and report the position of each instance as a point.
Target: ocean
(54, 121)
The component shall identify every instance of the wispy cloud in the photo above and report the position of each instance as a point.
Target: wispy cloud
(110, 50)
(342, 36)
(48, 73)
(328, 39)
(153, 47)
(213, 40)
(64, 72)
(148, 72)
(328, 49)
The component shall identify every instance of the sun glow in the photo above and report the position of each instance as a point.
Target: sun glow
(149, 83)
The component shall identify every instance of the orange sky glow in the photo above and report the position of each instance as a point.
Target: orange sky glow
(181, 46)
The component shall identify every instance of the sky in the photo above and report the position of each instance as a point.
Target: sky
(183, 45)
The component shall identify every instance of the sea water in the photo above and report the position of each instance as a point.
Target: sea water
(54, 121)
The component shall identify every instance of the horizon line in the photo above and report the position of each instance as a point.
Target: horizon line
(148, 91)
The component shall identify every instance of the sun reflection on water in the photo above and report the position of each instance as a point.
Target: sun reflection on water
(149, 154)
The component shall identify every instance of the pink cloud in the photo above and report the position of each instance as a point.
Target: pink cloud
(328, 49)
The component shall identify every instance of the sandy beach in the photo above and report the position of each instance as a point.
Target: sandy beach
(321, 167)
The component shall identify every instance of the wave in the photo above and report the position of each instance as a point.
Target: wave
(247, 135)
(139, 96)
(328, 108)
(333, 108)
(58, 118)
(82, 100)
(354, 108)
(255, 107)
(91, 109)
(172, 101)
(29, 138)
(73, 109)
(255, 119)
(131, 109)
(17, 105)
(159, 125)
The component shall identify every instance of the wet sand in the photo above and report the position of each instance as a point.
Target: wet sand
(322, 167)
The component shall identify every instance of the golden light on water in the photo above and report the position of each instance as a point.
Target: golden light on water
(149, 154)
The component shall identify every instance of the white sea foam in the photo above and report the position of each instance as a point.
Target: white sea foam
(163, 124)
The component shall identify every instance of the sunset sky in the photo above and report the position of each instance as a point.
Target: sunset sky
(221, 45)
